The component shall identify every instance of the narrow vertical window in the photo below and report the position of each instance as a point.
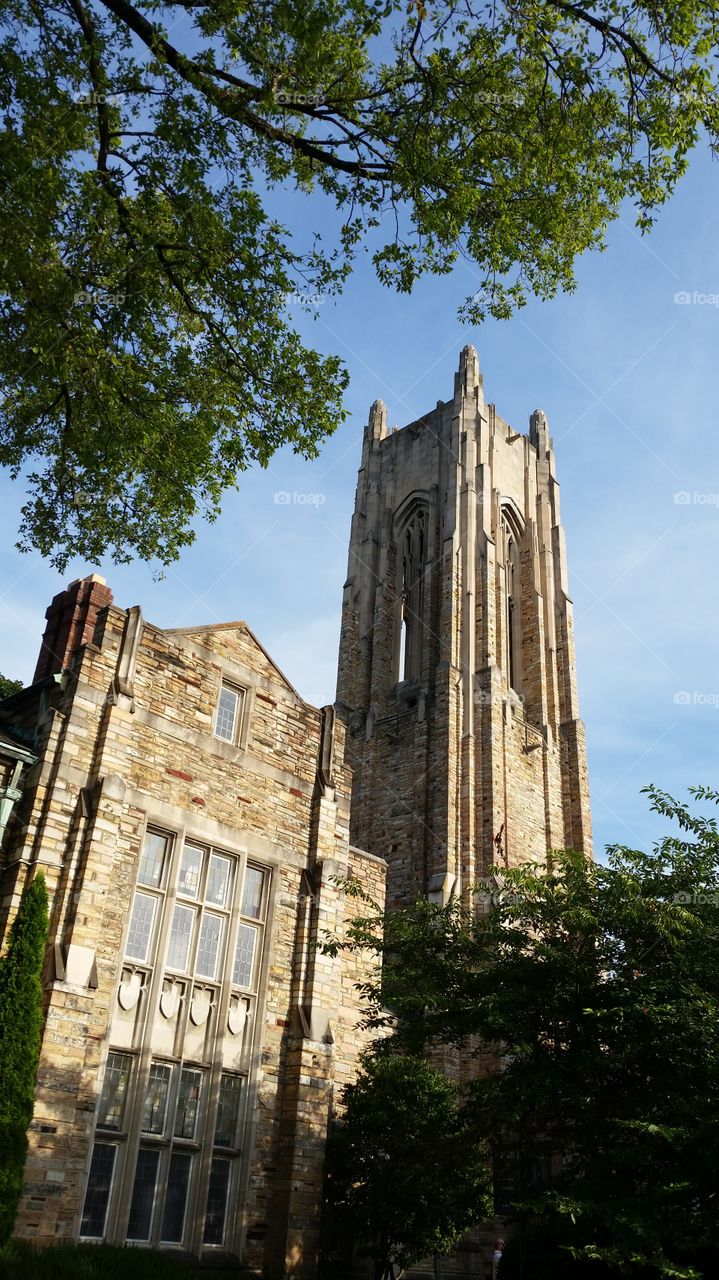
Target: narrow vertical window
(218, 880)
(512, 609)
(97, 1196)
(217, 1201)
(114, 1091)
(178, 1179)
(143, 1194)
(252, 893)
(229, 708)
(188, 882)
(178, 950)
(141, 922)
(155, 1109)
(245, 956)
(208, 947)
(188, 1104)
(152, 859)
(412, 599)
(228, 1110)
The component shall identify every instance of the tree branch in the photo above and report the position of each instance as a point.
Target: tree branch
(98, 79)
(616, 33)
(228, 104)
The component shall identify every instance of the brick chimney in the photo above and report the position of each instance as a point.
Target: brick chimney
(71, 622)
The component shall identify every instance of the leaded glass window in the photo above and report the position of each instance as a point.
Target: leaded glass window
(183, 918)
(188, 1103)
(152, 859)
(217, 1201)
(142, 919)
(252, 893)
(155, 1108)
(178, 951)
(245, 956)
(209, 945)
(97, 1195)
(218, 880)
(114, 1091)
(178, 1180)
(188, 883)
(228, 1110)
(143, 1194)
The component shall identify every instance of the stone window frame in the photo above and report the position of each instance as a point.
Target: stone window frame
(240, 725)
(206, 1153)
(416, 508)
(236, 676)
(511, 532)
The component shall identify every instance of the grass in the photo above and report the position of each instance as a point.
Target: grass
(100, 1262)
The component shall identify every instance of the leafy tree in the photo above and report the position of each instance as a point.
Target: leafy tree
(8, 687)
(599, 988)
(406, 1176)
(20, 1030)
(155, 156)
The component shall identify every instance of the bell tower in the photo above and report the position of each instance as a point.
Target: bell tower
(457, 675)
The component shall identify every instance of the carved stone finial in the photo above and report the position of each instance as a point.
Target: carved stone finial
(538, 430)
(377, 425)
(468, 376)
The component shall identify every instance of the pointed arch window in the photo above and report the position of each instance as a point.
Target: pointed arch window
(512, 606)
(413, 548)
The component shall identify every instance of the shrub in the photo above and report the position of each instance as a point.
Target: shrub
(20, 1030)
(96, 1262)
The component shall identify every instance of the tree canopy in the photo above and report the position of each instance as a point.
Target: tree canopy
(8, 687)
(407, 1174)
(147, 349)
(598, 987)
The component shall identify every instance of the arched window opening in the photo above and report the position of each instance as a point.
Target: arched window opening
(411, 599)
(513, 644)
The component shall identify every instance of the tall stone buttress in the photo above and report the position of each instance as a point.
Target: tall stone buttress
(457, 675)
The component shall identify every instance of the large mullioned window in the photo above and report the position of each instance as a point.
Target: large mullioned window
(166, 1160)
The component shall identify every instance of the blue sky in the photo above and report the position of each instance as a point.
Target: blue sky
(629, 378)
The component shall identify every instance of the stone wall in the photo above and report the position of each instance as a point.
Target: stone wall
(470, 761)
(454, 769)
(125, 739)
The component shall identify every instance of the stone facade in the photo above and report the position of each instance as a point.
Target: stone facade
(191, 815)
(457, 677)
(457, 673)
(194, 818)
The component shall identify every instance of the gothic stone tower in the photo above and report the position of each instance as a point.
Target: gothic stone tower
(456, 670)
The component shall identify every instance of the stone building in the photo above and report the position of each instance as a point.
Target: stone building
(457, 676)
(194, 817)
(191, 815)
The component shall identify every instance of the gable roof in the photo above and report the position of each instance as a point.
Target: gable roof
(238, 626)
